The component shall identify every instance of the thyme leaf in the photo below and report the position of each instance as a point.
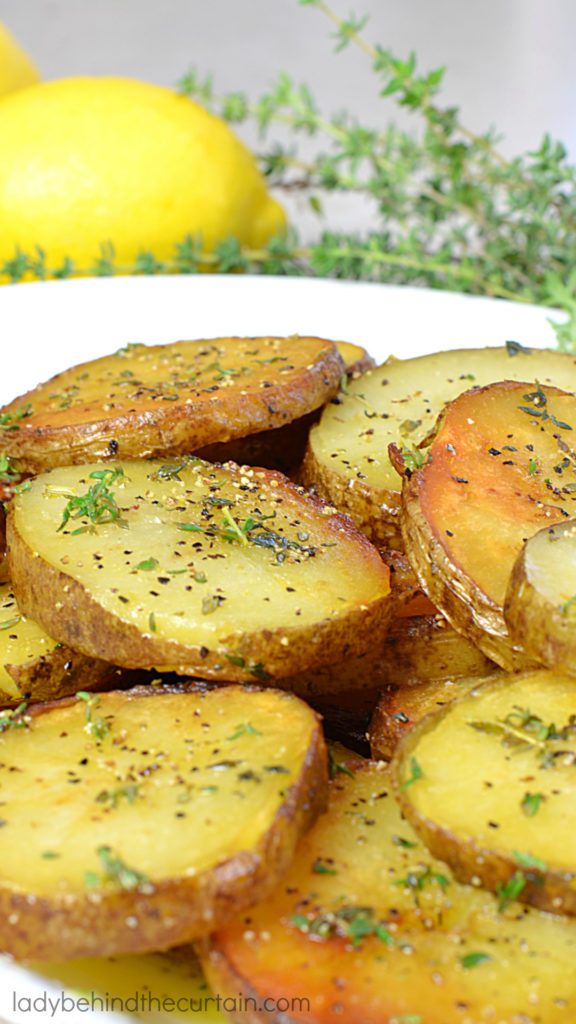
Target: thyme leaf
(349, 921)
(98, 504)
(116, 871)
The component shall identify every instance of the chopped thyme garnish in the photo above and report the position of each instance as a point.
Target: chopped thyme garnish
(244, 729)
(14, 718)
(11, 422)
(115, 870)
(513, 348)
(251, 530)
(413, 458)
(319, 868)
(417, 878)
(335, 766)
(95, 726)
(510, 891)
(113, 796)
(259, 672)
(531, 803)
(523, 730)
(148, 565)
(236, 659)
(538, 408)
(10, 623)
(370, 411)
(349, 922)
(408, 427)
(404, 843)
(473, 959)
(172, 470)
(567, 607)
(8, 472)
(211, 603)
(98, 504)
(416, 773)
(527, 860)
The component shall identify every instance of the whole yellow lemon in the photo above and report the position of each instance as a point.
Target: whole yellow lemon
(16, 69)
(89, 161)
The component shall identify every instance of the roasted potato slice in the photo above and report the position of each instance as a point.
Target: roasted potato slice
(539, 606)
(224, 572)
(399, 708)
(283, 448)
(169, 399)
(34, 666)
(368, 926)
(499, 468)
(347, 458)
(489, 784)
(415, 648)
(138, 820)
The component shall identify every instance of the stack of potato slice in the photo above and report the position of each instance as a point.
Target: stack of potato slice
(388, 575)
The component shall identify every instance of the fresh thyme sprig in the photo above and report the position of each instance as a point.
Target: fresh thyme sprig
(451, 210)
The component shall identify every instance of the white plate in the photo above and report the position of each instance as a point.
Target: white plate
(46, 327)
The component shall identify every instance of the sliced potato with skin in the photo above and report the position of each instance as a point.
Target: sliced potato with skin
(283, 448)
(416, 648)
(539, 606)
(489, 784)
(368, 926)
(187, 807)
(400, 708)
(34, 666)
(347, 458)
(499, 468)
(224, 572)
(162, 400)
